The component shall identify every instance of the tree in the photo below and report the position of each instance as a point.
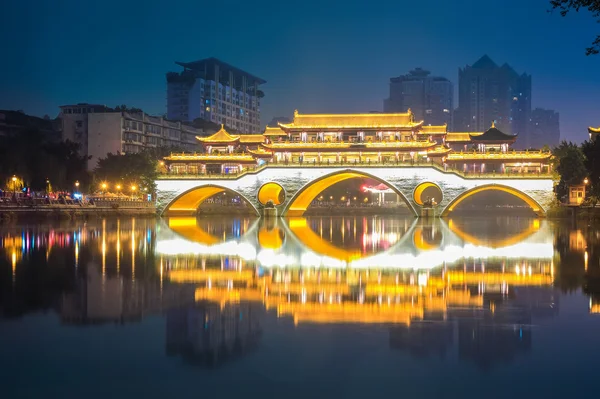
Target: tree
(591, 152)
(593, 6)
(138, 170)
(569, 162)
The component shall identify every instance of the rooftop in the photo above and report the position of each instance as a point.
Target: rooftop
(594, 129)
(206, 63)
(379, 121)
(493, 134)
(222, 136)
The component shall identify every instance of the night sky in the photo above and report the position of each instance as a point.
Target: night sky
(317, 56)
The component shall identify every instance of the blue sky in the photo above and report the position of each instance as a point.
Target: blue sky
(317, 56)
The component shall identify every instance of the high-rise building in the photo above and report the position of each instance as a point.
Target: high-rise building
(100, 130)
(544, 128)
(215, 91)
(490, 93)
(430, 98)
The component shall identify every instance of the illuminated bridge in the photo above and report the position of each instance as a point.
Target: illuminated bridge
(294, 188)
(290, 165)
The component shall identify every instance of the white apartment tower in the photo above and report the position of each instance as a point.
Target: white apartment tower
(215, 91)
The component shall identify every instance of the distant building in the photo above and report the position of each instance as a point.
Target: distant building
(430, 98)
(17, 122)
(490, 93)
(101, 130)
(215, 91)
(544, 129)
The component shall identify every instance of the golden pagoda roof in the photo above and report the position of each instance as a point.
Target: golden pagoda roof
(352, 121)
(457, 137)
(251, 138)
(274, 131)
(594, 129)
(434, 129)
(219, 137)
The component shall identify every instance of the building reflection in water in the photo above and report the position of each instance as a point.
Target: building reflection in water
(438, 286)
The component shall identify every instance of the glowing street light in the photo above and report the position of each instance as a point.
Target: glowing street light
(14, 180)
(586, 181)
(76, 184)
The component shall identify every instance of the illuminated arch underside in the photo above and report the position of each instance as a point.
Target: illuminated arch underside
(270, 191)
(535, 207)
(303, 198)
(417, 196)
(189, 201)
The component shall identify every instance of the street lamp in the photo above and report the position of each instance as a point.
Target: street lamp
(133, 188)
(104, 185)
(14, 180)
(586, 181)
(76, 185)
(118, 188)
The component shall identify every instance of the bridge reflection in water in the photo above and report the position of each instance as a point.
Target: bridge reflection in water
(353, 270)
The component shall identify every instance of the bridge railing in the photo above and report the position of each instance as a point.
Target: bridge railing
(488, 174)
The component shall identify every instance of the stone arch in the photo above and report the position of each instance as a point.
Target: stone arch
(306, 195)
(535, 206)
(420, 189)
(187, 203)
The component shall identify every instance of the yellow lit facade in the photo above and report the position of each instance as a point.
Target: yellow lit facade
(358, 139)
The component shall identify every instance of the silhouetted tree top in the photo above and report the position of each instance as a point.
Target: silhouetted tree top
(593, 6)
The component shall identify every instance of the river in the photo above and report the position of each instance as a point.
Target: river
(304, 307)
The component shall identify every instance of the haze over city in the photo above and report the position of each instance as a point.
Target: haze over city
(315, 56)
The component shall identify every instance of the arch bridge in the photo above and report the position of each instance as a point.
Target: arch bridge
(293, 189)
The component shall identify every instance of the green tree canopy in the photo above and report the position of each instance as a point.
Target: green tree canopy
(593, 6)
(569, 162)
(127, 169)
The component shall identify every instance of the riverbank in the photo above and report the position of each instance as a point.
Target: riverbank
(66, 212)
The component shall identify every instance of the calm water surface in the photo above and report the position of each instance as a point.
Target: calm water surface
(317, 307)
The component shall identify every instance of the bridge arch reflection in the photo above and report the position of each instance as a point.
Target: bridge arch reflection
(295, 242)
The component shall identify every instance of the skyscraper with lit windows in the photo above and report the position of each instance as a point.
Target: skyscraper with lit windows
(215, 91)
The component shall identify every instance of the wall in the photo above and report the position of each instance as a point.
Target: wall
(104, 136)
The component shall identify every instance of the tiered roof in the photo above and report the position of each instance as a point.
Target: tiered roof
(493, 135)
(274, 131)
(220, 137)
(251, 138)
(374, 121)
(594, 129)
(432, 130)
(460, 137)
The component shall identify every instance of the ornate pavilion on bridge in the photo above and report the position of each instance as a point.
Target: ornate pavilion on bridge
(360, 139)
(594, 132)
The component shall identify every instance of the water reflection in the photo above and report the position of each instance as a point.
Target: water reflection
(475, 287)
